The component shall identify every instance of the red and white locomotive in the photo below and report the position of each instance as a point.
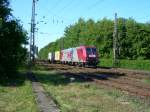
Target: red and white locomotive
(83, 55)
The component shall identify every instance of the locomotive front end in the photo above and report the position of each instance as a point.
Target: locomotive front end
(91, 56)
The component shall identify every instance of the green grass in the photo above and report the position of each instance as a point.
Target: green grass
(80, 96)
(106, 62)
(16, 95)
(147, 80)
(130, 64)
(136, 64)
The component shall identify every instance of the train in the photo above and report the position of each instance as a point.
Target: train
(82, 56)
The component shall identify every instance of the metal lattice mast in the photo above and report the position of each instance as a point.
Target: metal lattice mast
(32, 35)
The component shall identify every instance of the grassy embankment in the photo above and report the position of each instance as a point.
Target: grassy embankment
(16, 94)
(130, 64)
(80, 96)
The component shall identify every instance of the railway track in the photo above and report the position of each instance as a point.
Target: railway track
(128, 81)
(138, 88)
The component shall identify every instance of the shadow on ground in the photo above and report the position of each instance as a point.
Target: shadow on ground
(58, 79)
(68, 77)
(13, 80)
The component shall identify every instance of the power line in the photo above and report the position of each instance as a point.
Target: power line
(91, 7)
(45, 33)
(56, 4)
(95, 4)
(143, 17)
(67, 5)
(60, 19)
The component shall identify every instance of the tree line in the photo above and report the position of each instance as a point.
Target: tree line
(12, 39)
(133, 38)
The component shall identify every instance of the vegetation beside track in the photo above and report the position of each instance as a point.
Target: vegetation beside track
(133, 38)
(82, 96)
(16, 94)
(147, 80)
(129, 64)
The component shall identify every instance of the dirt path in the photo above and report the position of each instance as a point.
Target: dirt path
(45, 102)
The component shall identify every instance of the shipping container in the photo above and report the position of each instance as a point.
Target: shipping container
(51, 57)
(57, 56)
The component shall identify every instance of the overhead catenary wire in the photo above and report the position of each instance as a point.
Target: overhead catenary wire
(58, 18)
(67, 5)
(56, 5)
(64, 19)
(98, 2)
(92, 6)
(61, 19)
(143, 17)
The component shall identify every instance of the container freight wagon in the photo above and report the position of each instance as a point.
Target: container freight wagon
(66, 56)
(51, 57)
(54, 57)
(57, 57)
(83, 55)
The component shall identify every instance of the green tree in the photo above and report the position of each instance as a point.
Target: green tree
(133, 38)
(12, 39)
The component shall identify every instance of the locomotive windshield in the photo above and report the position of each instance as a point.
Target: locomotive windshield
(94, 50)
(91, 51)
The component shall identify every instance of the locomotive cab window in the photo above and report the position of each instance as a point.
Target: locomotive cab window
(94, 50)
(91, 51)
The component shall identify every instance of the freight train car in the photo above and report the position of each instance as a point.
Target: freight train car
(57, 57)
(66, 56)
(51, 57)
(54, 57)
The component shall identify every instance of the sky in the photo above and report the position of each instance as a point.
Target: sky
(53, 16)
